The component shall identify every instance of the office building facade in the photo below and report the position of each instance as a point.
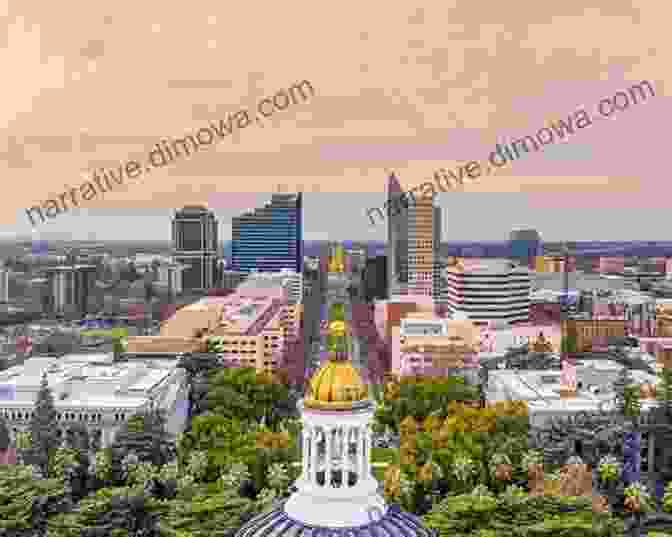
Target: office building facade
(414, 240)
(489, 290)
(69, 288)
(4, 284)
(195, 246)
(270, 238)
(374, 278)
(397, 238)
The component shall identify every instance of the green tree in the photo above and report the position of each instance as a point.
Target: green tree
(145, 436)
(5, 435)
(568, 344)
(110, 512)
(225, 441)
(664, 390)
(207, 514)
(632, 405)
(43, 428)
(119, 346)
(19, 493)
(623, 395)
(242, 393)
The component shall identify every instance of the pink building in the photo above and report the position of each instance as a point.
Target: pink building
(608, 310)
(255, 326)
(499, 340)
(612, 265)
(660, 263)
(424, 344)
(8, 456)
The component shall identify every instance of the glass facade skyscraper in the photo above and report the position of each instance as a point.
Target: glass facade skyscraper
(195, 245)
(270, 238)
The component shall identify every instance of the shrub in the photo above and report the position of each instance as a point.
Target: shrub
(516, 513)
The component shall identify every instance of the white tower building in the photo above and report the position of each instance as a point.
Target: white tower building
(337, 495)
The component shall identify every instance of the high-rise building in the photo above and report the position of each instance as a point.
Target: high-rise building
(374, 278)
(525, 245)
(4, 284)
(397, 237)
(170, 277)
(414, 240)
(69, 288)
(270, 238)
(195, 245)
(424, 221)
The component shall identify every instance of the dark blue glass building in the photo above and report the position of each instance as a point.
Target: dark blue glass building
(270, 238)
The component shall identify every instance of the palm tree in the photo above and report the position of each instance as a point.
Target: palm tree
(632, 437)
(664, 391)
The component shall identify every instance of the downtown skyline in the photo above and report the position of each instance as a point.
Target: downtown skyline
(467, 216)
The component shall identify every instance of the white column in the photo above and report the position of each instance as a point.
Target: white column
(306, 450)
(357, 466)
(330, 456)
(366, 456)
(345, 459)
(315, 440)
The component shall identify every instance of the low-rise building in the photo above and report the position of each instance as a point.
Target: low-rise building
(542, 389)
(488, 289)
(254, 327)
(96, 391)
(424, 344)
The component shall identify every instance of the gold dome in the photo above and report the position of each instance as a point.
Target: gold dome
(336, 385)
(337, 328)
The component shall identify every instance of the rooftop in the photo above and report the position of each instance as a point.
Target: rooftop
(77, 378)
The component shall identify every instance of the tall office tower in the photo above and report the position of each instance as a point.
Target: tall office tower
(374, 278)
(270, 238)
(414, 240)
(195, 245)
(436, 254)
(397, 237)
(4, 284)
(69, 288)
(526, 246)
(424, 237)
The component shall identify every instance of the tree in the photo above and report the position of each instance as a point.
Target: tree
(568, 344)
(664, 391)
(144, 435)
(43, 427)
(621, 391)
(24, 501)
(118, 346)
(225, 440)
(5, 435)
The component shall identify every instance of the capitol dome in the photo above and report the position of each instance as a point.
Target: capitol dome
(336, 385)
(394, 523)
(336, 493)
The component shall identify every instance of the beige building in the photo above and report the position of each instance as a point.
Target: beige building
(586, 330)
(664, 320)
(250, 331)
(424, 233)
(425, 344)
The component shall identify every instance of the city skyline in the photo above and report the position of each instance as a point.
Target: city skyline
(325, 219)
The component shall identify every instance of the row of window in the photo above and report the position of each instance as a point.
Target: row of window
(26, 415)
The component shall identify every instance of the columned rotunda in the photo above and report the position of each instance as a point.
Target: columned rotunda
(337, 495)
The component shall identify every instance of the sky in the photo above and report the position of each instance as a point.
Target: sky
(339, 216)
(406, 88)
